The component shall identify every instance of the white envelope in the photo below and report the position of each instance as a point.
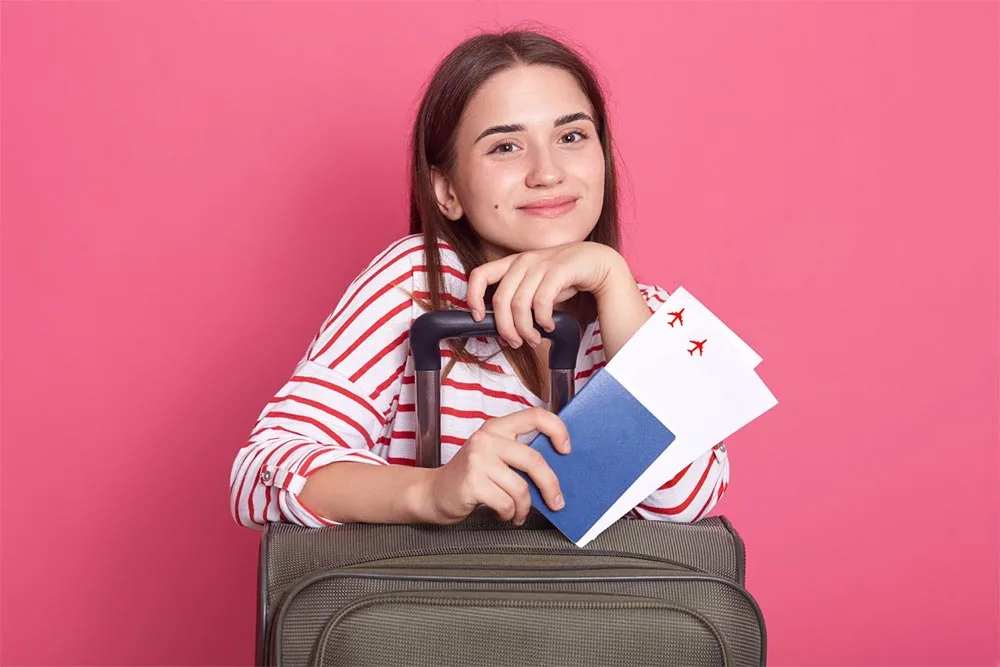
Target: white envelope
(703, 395)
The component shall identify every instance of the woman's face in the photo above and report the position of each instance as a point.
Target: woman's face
(529, 169)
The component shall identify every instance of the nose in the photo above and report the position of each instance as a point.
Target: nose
(544, 169)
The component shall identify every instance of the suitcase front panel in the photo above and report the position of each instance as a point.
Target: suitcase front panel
(724, 607)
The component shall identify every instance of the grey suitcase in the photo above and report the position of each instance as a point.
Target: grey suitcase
(485, 592)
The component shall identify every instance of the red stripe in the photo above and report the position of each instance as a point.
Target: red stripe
(284, 457)
(385, 289)
(358, 456)
(422, 268)
(243, 481)
(412, 435)
(469, 386)
(385, 253)
(333, 413)
(305, 465)
(277, 428)
(385, 385)
(345, 392)
(246, 473)
(322, 520)
(306, 468)
(371, 330)
(454, 300)
(596, 348)
(454, 412)
(708, 501)
(402, 460)
(683, 506)
(676, 478)
(308, 420)
(378, 357)
(448, 353)
(361, 287)
(590, 371)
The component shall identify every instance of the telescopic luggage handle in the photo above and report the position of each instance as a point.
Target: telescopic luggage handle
(426, 334)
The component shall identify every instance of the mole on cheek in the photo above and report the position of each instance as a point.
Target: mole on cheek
(496, 205)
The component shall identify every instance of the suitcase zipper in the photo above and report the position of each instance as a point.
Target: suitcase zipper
(464, 597)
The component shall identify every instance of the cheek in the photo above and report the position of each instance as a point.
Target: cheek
(490, 188)
(593, 168)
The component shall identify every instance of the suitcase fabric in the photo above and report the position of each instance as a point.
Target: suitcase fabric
(484, 592)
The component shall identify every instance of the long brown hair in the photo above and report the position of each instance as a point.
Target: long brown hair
(455, 81)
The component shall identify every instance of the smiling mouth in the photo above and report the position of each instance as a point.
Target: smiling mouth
(550, 208)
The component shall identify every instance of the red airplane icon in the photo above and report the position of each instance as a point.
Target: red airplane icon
(697, 346)
(678, 317)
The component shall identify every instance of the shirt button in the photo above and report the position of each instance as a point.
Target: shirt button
(265, 476)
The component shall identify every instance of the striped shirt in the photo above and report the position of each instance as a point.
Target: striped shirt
(351, 398)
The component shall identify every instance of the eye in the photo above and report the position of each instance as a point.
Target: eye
(504, 147)
(581, 136)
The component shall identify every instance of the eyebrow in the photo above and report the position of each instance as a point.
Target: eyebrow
(517, 127)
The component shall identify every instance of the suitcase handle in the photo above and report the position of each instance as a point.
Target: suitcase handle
(426, 334)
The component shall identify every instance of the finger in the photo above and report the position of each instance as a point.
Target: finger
(480, 278)
(493, 496)
(502, 313)
(521, 304)
(529, 460)
(516, 488)
(533, 419)
(545, 299)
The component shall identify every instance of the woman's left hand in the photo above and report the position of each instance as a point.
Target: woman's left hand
(532, 283)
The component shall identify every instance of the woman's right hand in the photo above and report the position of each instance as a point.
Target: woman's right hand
(482, 472)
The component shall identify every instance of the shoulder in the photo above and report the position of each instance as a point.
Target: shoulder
(410, 252)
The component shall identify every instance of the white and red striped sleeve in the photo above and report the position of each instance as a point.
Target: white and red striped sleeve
(337, 403)
(697, 488)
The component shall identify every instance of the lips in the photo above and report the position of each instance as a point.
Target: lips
(550, 207)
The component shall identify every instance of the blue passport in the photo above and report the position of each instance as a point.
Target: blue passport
(613, 439)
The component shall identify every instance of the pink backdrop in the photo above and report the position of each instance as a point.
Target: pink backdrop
(188, 187)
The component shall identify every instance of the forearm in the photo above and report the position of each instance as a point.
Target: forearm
(621, 308)
(348, 492)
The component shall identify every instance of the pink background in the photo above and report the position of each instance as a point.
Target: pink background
(187, 189)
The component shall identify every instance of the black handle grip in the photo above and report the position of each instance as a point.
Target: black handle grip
(429, 329)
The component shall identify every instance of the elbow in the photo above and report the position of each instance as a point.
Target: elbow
(243, 483)
(693, 496)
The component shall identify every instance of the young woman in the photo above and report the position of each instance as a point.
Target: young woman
(513, 187)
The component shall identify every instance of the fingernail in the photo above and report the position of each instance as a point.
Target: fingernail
(558, 502)
(566, 445)
(515, 344)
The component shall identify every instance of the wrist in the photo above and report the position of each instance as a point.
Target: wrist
(417, 497)
(618, 280)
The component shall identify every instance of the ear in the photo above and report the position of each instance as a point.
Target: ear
(444, 192)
